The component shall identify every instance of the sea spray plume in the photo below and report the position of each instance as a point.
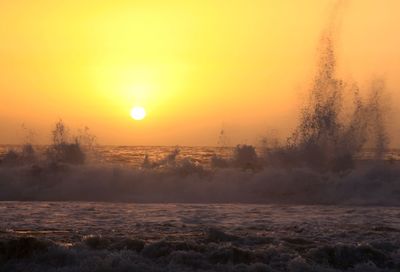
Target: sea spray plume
(315, 141)
(354, 136)
(88, 143)
(29, 135)
(367, 126)
(317, 137)
(28, 152)
(59, 133)
(170, 164)
(23, 155)
(217, 160)
(376, 112)
(223, 138)
(245, 157)
(11, 158)
(269, 146)
(270, 140)
(169, 160)
(64, 150)
(325, 140)
(86, 138)
(147, 164)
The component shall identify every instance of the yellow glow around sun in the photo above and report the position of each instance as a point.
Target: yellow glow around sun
(138, 113)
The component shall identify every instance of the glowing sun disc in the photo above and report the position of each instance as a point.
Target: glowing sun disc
(138, 113)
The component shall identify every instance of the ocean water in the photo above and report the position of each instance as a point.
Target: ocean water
(88, 236)
(194, 175)
(133, 156)
(320, 202)
(176, 211)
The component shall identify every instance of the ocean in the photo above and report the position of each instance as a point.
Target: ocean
(98, 236)
(195, 209)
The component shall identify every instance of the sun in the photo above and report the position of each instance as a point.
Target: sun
(138, 113)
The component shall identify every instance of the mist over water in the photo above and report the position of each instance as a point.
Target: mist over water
(338, 154)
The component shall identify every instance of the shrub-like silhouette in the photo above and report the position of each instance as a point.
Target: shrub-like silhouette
(62, 149)
(327, 139)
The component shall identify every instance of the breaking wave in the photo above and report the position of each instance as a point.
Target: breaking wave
(370, 183)
(215, 251)
(320, 163)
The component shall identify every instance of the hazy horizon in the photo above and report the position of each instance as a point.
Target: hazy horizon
(195, 68)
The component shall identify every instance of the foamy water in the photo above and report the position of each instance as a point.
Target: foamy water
(71, 236)
(118, 174)
(358, 228)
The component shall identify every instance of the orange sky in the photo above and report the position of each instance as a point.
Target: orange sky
(195, 66)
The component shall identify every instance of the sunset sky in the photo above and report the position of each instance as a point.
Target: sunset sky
(194, 66)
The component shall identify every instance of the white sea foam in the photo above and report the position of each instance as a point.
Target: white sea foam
(81, 236)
